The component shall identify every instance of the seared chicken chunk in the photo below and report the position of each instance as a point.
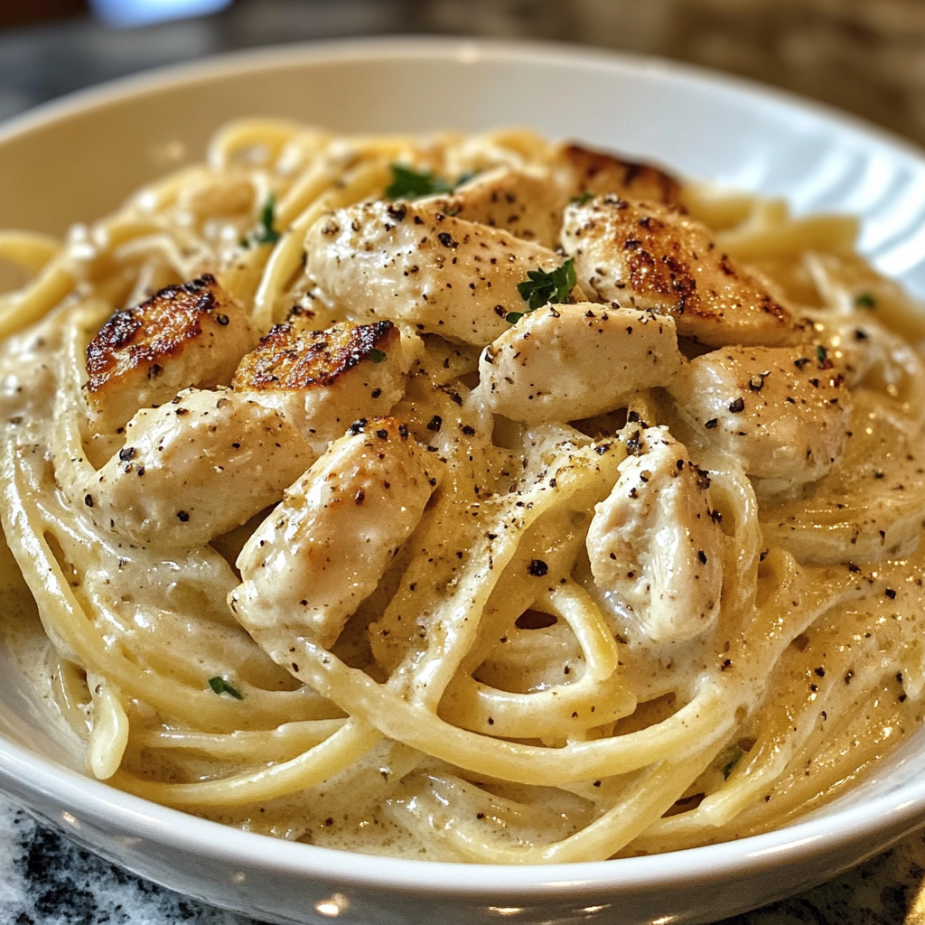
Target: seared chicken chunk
(654, 540)
(564, 362)
(520, 200)
(581, 170)
(647, 256)
(322, 551)
(322, 381)
(412, 263)
(782, 412)
(188, 335)
(194, 468)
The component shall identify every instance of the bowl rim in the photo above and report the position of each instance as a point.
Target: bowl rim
(24, 772)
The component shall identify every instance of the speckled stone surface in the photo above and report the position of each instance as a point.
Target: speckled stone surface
(47, 880)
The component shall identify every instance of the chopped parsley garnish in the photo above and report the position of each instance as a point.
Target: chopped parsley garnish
(542, 288)
(582, 198)
(865, 300)
(730, 758)
(221, 686)
(266, 233)
(408, 183)
(377, 356)
(821, 354)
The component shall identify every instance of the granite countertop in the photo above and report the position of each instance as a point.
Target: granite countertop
(50, 881)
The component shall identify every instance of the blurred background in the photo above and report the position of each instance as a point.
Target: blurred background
(865, 56)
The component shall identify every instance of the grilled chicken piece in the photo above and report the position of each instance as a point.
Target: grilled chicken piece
(782, 412)
(528, 201)
(580, 171)
(188, 335)
(654, 540)
(194, 468)
(520, 200)
(322, 381)
(324, 548)
(647, 256)
(564, 362)
(412, 263)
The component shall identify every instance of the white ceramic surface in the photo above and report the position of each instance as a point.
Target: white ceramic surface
(75, 159)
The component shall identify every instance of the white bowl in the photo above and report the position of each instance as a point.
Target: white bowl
(76, 159)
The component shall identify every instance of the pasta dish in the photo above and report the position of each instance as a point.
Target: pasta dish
(472, 497)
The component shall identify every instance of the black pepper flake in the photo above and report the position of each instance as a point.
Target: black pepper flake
(849, 674)
(446, 239)
(88, 500)
(737, 406)
(183, 516)
(435, 423)
(537, 568)
(127, 453)
(223, 320)
(819, 672)
(357, 427)
(801, 362)
(468, 430)
(711, 424)
(890, 593)
(702, 556)
(382, 434)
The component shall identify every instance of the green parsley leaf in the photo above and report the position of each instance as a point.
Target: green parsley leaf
(582, 198)
(542, 288)
(821, 354)
(865, 300)
(408, 183)
(730, 758)
(267, 233)
(377, 356)
(513, 317)
(221, 686)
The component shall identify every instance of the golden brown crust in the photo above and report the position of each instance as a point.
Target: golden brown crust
(650, 256)
(660, 261)
(598, 172)
(292, 358)
(145, 337)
